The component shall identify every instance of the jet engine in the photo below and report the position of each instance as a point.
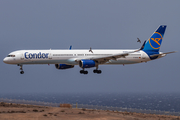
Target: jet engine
(87, 63)
(63, 66)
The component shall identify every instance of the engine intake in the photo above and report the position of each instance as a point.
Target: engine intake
(87, 63)
(63, 66)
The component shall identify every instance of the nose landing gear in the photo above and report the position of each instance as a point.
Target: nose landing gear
(21, 72)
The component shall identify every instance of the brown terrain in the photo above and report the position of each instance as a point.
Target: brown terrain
(9, 111)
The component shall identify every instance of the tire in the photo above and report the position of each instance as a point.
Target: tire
(81, 71)
(85, 72)
(22, 72)
(99, 72)
(95, 71)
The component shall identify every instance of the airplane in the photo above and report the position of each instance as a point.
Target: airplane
(88, 58)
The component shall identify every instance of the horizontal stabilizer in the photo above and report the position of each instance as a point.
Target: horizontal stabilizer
(155, 55)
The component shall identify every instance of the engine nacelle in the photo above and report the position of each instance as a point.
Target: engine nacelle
(87, 63)
(63, 66)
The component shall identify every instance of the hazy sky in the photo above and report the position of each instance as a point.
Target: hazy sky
(99, 24)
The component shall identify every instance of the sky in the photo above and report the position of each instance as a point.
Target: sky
(99, 24)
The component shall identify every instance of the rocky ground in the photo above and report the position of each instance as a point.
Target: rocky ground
(9, 111)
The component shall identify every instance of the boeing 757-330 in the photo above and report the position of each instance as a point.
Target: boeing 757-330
(88, 58)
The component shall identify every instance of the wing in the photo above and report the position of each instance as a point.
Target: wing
(102, 60)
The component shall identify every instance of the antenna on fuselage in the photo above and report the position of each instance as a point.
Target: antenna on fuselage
(90, 50)
(70, 47)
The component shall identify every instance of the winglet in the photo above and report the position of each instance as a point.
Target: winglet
(70, 47)
(142, 47)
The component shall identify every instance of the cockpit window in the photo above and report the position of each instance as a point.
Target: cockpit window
(11, 56)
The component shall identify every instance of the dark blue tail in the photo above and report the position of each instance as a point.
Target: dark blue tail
(154, 42)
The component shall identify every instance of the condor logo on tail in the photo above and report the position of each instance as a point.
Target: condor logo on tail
(155, 40)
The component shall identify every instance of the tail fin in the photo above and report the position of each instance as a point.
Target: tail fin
(154, 42)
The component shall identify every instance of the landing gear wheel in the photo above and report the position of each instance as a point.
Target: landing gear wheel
(22, 72)
(99, 72)
(83, 72)
(95, 71)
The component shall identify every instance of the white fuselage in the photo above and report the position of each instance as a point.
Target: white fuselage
(70, 57)
(65, 59)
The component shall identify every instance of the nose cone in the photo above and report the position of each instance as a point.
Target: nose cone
(5, 60)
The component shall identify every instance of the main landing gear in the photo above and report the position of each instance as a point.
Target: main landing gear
(95, 71)
(21, 72)
(83, 72)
